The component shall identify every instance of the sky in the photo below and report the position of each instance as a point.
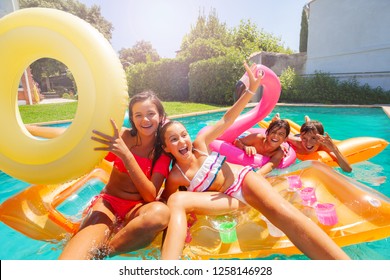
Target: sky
(164, 23)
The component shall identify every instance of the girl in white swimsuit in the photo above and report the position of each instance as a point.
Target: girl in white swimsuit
(214, 183)
(205, 176)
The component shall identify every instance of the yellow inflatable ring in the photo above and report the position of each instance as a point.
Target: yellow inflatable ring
(30, 34)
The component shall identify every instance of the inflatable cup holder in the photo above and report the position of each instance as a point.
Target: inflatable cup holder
(227, 232)
(326, 214)
(294, 183)
(226, 226)
(308, 196)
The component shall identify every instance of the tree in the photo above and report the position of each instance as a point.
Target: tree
(141, 52)
(46, 67)
(304, 32)
(249, 39)
(202, 49)
(208, 38)
(91, 15)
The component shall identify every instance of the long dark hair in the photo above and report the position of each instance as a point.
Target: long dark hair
(312, 126)
(275, 125)
(162, 135)
(140, 97)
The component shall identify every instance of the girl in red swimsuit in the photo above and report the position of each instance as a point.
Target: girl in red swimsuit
(128, 201)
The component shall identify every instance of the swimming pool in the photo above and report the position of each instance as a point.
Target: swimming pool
(340, 123)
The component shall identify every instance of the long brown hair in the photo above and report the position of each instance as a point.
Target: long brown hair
(275, 125)
(162, 136)
(141, 97)
(312, 126)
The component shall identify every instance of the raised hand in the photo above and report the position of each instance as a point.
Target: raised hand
(333, 150)
(114, 143)
(276, 117)
(326, 141)
(254, 82)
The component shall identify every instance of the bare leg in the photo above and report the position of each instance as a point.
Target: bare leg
(304, 233)
(144, 225)
(92, 235)
(181, 203)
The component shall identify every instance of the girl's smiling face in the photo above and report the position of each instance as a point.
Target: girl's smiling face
(146, 117)
(277, 136)
(310, 141)
(177, 141)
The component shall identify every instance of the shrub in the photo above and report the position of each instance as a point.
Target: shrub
(168, 78)
(213, 80)
(324, 89)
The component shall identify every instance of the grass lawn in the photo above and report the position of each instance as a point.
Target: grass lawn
(66, 111)
(179, 108)
(47, 112)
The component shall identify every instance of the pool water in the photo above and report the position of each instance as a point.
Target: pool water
(340, 123)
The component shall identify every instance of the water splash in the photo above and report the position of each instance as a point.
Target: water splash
(369, 173)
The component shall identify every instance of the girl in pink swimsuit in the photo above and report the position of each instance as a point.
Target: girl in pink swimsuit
(215, 184)
(128, 201)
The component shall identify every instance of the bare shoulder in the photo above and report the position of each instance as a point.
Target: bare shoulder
(260, 136)
(126, 133)
(200, 145)
(279, 153)
(252, 138)
(125, 129)
(176, 176)
(175, 179)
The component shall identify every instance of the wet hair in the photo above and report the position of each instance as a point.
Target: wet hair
(141, 97)
(278, 124)
(312, 126)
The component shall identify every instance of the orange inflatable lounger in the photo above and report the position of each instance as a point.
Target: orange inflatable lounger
(355, 149)
(360, 214)
(33, 211)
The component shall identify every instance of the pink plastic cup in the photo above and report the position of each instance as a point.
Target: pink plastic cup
(308, 196)
(326, 214)
(294, 182)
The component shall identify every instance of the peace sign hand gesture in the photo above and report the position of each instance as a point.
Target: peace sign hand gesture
(114, 143)
(326, 141)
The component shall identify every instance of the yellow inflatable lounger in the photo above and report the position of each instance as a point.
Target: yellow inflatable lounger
(360, 214)
(355, 149)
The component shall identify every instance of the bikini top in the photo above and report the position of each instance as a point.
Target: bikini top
(161, 166)
(206, 174)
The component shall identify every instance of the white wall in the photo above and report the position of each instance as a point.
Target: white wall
(350, 38)
(8, 6)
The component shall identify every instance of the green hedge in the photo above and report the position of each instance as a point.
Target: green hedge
(322, 88)
(213, 81)
(168, 78)
(209, 81)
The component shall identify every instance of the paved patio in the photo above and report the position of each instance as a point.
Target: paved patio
(56, 100)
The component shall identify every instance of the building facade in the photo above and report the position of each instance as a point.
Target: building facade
(28, 92)
(350, 39)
